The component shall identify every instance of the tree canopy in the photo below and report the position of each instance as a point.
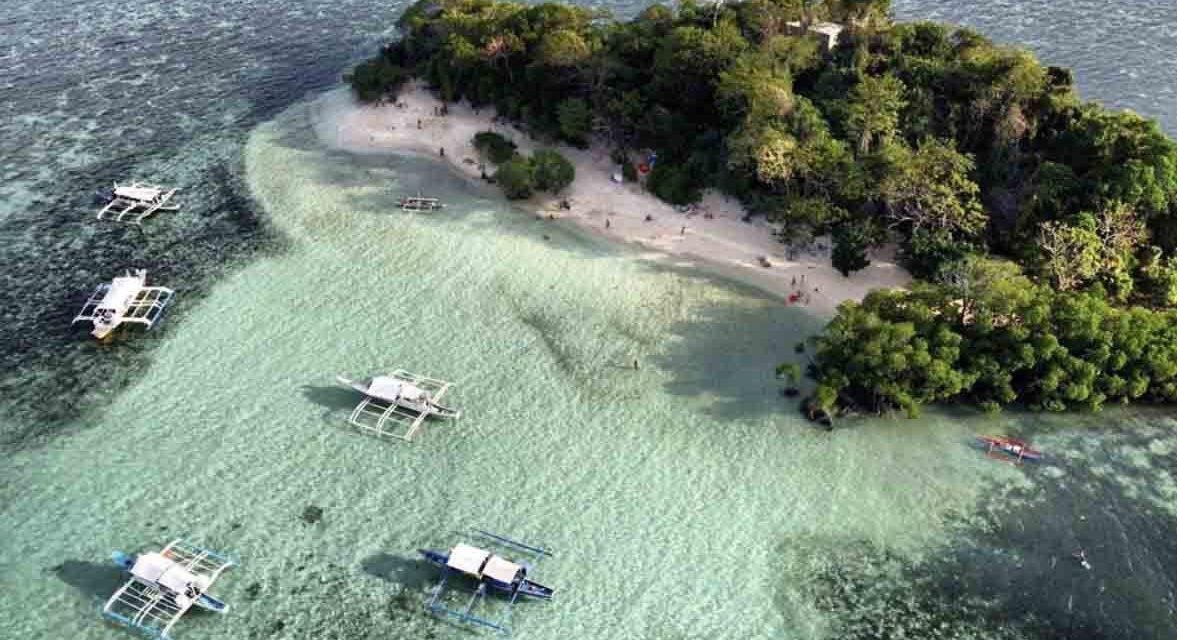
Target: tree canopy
(962, 149)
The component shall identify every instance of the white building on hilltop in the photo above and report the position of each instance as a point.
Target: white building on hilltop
(826, 32)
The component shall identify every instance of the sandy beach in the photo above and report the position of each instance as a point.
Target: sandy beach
(713, 236)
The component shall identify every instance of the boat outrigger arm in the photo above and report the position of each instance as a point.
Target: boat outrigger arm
(134, 203)
(399, 398)
(124, 299)
(164, 586)
(492, 572)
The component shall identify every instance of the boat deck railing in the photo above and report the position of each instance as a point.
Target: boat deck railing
(468, 613)
(136, 211)
(146, 308)
(388, 419)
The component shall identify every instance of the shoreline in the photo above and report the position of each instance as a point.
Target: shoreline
(713, 238)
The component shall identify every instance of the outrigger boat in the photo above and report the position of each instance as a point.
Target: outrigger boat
(1008, 449)
(492, 572)
(124, 299)
(164, 585)
(398, 398)
(420, 203)
(136, 201)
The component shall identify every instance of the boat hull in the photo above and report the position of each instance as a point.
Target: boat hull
(210, 603)
(430, 408)
(205, 601)
(535, 590)
(1006, 448)
(525, 587)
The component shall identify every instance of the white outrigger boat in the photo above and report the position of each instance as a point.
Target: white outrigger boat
(164, 585)
(420, 203)
(124, 299)
(134, 202)
(491, 573)
(398, 398)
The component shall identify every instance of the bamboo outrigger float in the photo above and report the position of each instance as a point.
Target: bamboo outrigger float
(124, 299)
(398, 399)
(134, 203)
(491, 572)
(164, 585)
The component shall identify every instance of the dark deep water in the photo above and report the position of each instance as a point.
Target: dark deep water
(92, 92)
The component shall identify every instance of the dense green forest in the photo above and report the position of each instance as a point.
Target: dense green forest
(1043, 228)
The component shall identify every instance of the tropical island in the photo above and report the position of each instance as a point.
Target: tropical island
(1040, 228)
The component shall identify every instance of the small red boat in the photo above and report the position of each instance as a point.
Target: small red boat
(1008, 449)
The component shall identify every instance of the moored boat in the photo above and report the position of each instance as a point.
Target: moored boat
(134, 202)
(402, 392)
(164, 585)
(126, 299)
(489, 571)
(1009, 448)
(420, 203)
(495, 571)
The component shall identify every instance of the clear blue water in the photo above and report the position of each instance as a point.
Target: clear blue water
(687, 500)
(1121, 51)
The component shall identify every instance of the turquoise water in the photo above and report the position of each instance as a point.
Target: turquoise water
(668, 492)
(683, 500)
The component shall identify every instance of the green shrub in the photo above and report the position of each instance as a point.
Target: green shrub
(376, 79)
(552, 171)
(851, 240)
(673, 183)
(497, 148)
(516, 177)
(575, 120)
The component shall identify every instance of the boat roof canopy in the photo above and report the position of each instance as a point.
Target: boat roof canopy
(122, 289)
(157, 569)
(467, 559)
(138, 192)
(385, 386)
(501, 569)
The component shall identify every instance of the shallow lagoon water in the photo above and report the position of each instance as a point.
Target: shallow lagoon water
(667, 492)
(683, 499)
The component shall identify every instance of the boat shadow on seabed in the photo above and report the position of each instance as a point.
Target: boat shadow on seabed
(330, 397)
(95, 580)
(413, 574)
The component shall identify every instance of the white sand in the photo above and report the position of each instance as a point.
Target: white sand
(713, 237)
